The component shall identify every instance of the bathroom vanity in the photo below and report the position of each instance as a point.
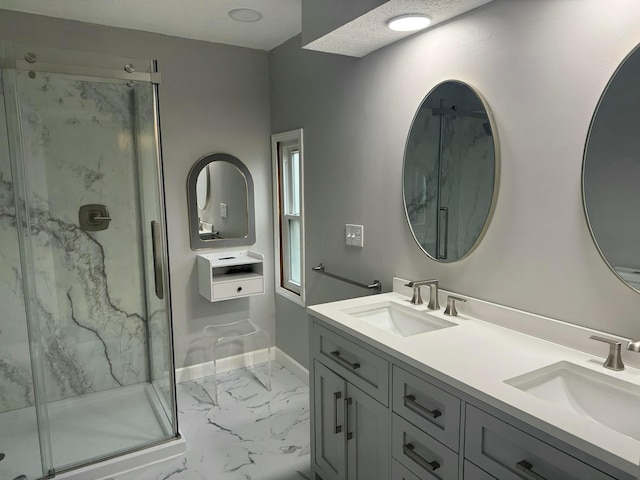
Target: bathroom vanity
(404, 393)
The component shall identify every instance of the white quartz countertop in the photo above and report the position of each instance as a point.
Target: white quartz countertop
(476, 357)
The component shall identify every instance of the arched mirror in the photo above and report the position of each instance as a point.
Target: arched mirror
(450, 172)
(611, 173)
(220, 198)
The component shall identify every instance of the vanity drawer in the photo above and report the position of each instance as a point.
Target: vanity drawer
(400, 472)
(426, 406)
(471, 472)
(237, 288)
(359, 366)
(421, 454)
(510, 454)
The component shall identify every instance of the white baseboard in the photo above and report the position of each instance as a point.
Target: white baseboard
(293, 366)
(194, 372)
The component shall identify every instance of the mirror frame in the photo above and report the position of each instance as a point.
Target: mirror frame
(635, 50)
(496, 168)
(196, 242)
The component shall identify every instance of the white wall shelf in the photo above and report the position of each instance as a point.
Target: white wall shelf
(230, 274)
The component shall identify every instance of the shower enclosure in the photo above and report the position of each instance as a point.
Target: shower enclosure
(86, 359)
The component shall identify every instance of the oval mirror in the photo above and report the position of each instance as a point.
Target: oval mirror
(220, 199)
(450, 172)
(611, 173)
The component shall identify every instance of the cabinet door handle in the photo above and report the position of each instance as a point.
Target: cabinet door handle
(336, 356)
(336, 396)
(408, 450)
(347, 404)
(527, 469)
(410, 402)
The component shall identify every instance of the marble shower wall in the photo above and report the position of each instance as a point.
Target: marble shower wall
(467, 180)
(466, 164)
(80, 148)
(421, 187)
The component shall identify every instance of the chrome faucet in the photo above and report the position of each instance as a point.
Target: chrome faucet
(416, 299)
(614, 359)
(451, 309)
(634, 346)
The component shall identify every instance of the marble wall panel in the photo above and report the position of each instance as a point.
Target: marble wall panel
(80, 148)
(465, 163)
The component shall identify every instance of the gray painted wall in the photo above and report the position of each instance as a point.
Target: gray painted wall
(214, 98)
(542, 66)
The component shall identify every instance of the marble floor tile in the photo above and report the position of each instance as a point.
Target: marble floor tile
(253, 434)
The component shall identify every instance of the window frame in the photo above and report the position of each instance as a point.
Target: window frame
(279, 143)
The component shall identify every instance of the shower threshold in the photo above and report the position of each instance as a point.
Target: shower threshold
(87, 428)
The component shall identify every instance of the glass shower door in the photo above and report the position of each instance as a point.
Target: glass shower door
(94, 200)
(24, 448)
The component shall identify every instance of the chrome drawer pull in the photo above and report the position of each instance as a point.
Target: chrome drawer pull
(410, 402)
(408, 450)
(526, 468)
(336, 396)
(336, 356)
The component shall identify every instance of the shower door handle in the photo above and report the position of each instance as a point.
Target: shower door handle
(157, 259)
(443, 256)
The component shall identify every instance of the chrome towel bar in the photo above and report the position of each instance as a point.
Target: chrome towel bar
(376, 286)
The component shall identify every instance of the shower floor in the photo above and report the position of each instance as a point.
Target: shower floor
(81, 428)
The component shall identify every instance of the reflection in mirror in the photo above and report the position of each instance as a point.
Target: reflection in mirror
(611, 173)
(202, 188)
(225, 215)
(450, 171)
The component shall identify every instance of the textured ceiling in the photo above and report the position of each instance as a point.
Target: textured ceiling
(206, 20)
(369, 32)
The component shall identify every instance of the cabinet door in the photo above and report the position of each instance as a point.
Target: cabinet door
(368, 431)
(329, 395)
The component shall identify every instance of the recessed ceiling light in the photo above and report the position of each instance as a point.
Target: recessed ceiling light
(245, 15)
(409, 23)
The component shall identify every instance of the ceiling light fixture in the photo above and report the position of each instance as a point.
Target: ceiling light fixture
(245, 15)
(409, 23)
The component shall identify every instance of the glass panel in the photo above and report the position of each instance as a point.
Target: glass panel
(295, 269)
(159, 323)
(83, 143)
(19, 442)
(291, 181)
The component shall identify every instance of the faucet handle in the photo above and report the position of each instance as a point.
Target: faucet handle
(614, 359)
(451, 305)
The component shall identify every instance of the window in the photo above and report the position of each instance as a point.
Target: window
(289, 214)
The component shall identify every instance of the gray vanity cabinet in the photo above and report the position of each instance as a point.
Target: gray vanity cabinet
(352, 430)
(377, 418)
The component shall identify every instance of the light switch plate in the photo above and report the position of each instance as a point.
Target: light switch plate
(354, 235)
(223, 210)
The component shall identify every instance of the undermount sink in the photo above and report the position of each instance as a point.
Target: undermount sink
(398, 319)
(599, 397)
